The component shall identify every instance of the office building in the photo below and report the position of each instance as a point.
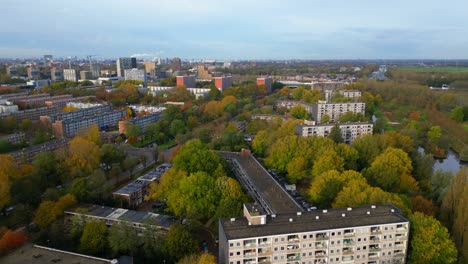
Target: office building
(125, 64)
(187, 81)
(34, 73)
(12, 72)
(204, 73)
(150, 66)
(368, 234)
(86, 75)
(335, 110)
(135, 75)
(56, 74)
(349, 131)
(71, 75)
(223, 83)
(136, 191)
(267, 82)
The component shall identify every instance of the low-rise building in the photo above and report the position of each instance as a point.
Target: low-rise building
(14, 138)
(142, 121)
(136, 191)
(368, 234)
(349, 131)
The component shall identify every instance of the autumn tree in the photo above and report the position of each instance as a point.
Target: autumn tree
(44, 217)
(91, 134)
(329, 160)
(195, 156)
(111, 154)
(298, 111)
(94, 237)
(11, 240)
(430, 241)
(4, 189)
(335, 134)
(83, 156)
(204, 258)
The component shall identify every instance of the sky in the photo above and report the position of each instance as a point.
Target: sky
(236, 29)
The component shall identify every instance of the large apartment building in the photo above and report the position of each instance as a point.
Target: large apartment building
(222, 83)
(125, 63)
(376, 234)
(187, 81)
(335, 110)
(267, 81)
(349, 131)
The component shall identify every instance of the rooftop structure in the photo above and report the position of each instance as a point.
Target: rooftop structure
(71, 75)
(111, 215)
(260, 185)
(135, 192)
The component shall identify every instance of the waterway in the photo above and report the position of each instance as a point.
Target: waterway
(451, 163)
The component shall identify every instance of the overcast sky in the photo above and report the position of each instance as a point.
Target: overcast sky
(236, 29)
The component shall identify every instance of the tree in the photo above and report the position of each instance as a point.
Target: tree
(329, 160)
(327, 185)
(123, 239)
(259, 144)
(179, 242)
(91, 134)
(65, 202)
(298, 111)
(457, 114)
(195, 156)
(423, 205)
(177, 127)
(325, 118)
(79, 189)
(111, 154)
(11, 240)
(387, 170)
(4, 189)
(47, 168)
(335, 134)
(204, 258)
(430, 241)
(434, 134)
(94, 238)
(454, 211)
(45, 214)
(98, 186)
(83, 156)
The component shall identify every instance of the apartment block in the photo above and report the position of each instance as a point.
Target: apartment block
(142, 121)
(34, 73)
(14, 138)
(223, 83)
(204, 73)
(349, 131)
(7, 107)
(56, 74)
(86, 75)
(61, 103)
(288, 104)
(335, 110)
(134, 193)
(39, 101)
(32, 114)
(267, 81)
(350, 93)
(12, 71)
(187, 81)
(71, 75)
(125, 64)
(368, 234)
(135, 75)
(28, 153)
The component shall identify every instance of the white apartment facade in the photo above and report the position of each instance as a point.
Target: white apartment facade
(349, 131)
(364, 235)
(335, 110)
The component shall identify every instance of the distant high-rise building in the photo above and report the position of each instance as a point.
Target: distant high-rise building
(223, 83)
(187, 81)
(56, 74)
(34, 73)
(135, 75)
(150, 66)
(86, 75)
(48, 58)
(267, 81)
(176, 64)
(125, 64)
(70, 75)
(204, 73)
(95, 70)
(12, 72)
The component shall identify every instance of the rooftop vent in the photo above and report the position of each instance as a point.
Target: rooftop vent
(392, 210)
(233, 219)
(250, 223)
(373, 206)
(273, 216)
(325, 211)
(317, 217)
(350, 209)
(343, 215)
(368, 212)
(299, 213)
(290, 219)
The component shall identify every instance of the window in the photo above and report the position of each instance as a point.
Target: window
(238, 244)
(238, 253)
(333, 242)
(304, 237)
(231, 244)
(282, 248)
(275, 258)
(231, 254)
(364, 247)
(339, 233)
(276, 240)
(276, 249)
(333, 233)
(282, 239)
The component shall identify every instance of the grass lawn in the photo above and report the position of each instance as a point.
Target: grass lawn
(449, 69)
(167, 144)
(465, 127)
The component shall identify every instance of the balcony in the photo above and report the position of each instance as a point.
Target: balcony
(348, 242)
(320, 261)
(293, 239)
(321, 236)
(374, 238)
(400, 237)
(320, 245)
(264, 242)
(249, 253)
(263, 251)
(348, 251)
(293, 257)
(373, 255)
(250, 243)
(320, 253)
(292, 247)
(376, 230)
(264, 260)
(347, 259)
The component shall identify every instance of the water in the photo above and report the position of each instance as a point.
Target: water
(451, 163)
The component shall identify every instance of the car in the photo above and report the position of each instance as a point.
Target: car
(205, 246)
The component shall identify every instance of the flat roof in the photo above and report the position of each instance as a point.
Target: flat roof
(333, 124)
(264, 184)
(144, 180)
(307, 221)
(120, 214)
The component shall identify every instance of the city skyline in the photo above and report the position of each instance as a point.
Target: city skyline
(242, 30)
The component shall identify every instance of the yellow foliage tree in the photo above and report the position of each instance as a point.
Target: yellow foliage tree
(91, 134)
(83, 155)
(4, 189)
(69, 109)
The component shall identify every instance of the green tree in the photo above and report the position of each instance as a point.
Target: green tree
(260, 143)
(44, 216)
(325, 118)
(111, 154)
(177, 127)
(179, 242)
(298, 111)
(457, 114)
(335, 134)
(430, 241)
(123, 239)
(328, 161)
(83, 156)
(98, 186)
(195, 156)
(434, 134)
(94, 238)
